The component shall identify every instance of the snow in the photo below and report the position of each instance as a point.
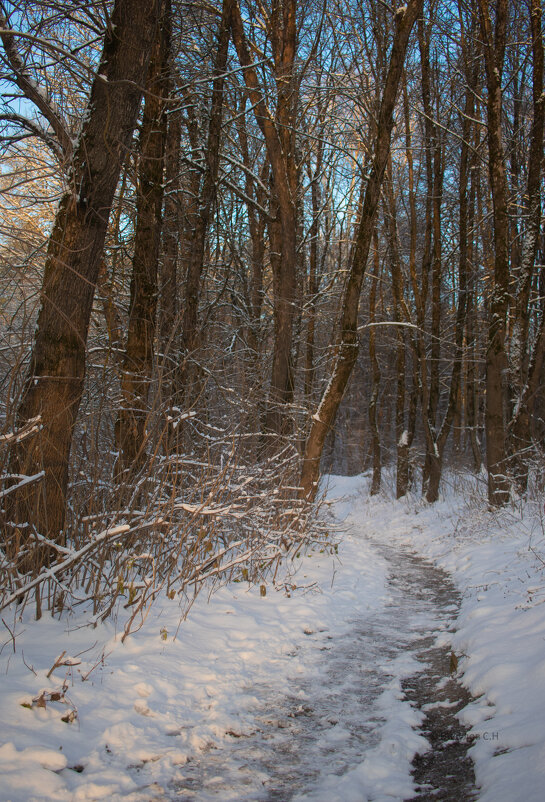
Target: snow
(495, 559)
(177, 693)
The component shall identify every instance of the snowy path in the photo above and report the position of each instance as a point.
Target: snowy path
(314, 743)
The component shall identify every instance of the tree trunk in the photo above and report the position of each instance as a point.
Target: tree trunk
(520, 431)
(138, 362)
(200, 221)
(496, 361)
(313, 275)
(168, 275)
(54, 383)
(436, 460)
(279, 134)
(375, 367)
(432, 260)
(401, 315)
(347, 349)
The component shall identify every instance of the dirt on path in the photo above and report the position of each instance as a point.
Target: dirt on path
(328, 729)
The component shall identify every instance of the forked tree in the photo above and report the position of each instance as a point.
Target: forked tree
(54, 382)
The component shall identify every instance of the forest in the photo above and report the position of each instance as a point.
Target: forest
(245, 244)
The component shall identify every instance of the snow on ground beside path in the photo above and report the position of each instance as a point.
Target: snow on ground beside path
(496, 560)
(171, 691)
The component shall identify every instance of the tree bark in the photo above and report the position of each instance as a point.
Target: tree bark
(279, 134)
(168, 277)
(347, 349)
(200, 220)
(432, 261)
(54, 382)
(375, 367)
(139, 352)
(401, 314)
(496, 361)
(520, 427)
(436, 459)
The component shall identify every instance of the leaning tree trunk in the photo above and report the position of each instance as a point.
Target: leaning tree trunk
(347, 349)
(54, 382)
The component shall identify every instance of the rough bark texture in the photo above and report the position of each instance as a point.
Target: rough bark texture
(55, 377)
(347, 349)
(139, 352)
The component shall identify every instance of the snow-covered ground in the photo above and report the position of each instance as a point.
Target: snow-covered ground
(179, 695)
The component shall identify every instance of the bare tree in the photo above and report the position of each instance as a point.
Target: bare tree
(347, 349)
(54, 382)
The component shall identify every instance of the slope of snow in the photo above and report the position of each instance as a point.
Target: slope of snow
(142, 709)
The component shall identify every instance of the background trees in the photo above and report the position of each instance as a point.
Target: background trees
(291, 237)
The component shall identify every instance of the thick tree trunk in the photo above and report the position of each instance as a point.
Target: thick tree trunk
(347, 349)
(139, 352)
(55, 377)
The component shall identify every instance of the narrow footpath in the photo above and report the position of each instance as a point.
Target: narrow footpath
(328, 728)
